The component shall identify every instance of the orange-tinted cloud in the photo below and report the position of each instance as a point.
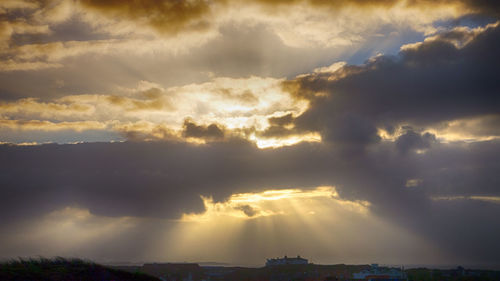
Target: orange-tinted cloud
(172, 17)
(169, 17)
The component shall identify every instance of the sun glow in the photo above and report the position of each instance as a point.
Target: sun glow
(286, 141)
(282, 194)
(273, 202)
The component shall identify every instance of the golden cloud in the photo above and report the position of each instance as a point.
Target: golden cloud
(222, 109)
(164, 16)
(272, 202)
(191, 23)
(38, 125)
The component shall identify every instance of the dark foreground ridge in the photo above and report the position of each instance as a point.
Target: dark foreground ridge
(62, 269)
(308, 272)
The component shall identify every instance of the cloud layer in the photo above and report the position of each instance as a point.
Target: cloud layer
(242, 121)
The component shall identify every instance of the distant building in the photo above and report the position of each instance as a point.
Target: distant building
(286, 260)
(380, 274)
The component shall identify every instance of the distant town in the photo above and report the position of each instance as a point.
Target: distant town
(299, 269)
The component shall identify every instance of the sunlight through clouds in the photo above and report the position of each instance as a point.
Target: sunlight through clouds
(347, 131)
(295, 219)
(271, 202)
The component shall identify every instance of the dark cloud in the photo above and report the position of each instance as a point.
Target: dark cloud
(424, 85)
(412, 140)
(276, 131)
(166, 179)
(210, 132)
(161, 179)
(281, 120)
(350, 128)
(145, 133)
(281, 126)
(247, 210)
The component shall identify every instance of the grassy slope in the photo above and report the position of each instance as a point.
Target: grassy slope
(61, 269)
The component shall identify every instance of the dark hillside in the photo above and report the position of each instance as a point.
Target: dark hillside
(61, 269)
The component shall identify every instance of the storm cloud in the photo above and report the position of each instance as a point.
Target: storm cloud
(165, 180)
(424, 85)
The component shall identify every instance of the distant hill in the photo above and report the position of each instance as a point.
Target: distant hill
(61, 269)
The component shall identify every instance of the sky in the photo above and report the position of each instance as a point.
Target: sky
(233, 131)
